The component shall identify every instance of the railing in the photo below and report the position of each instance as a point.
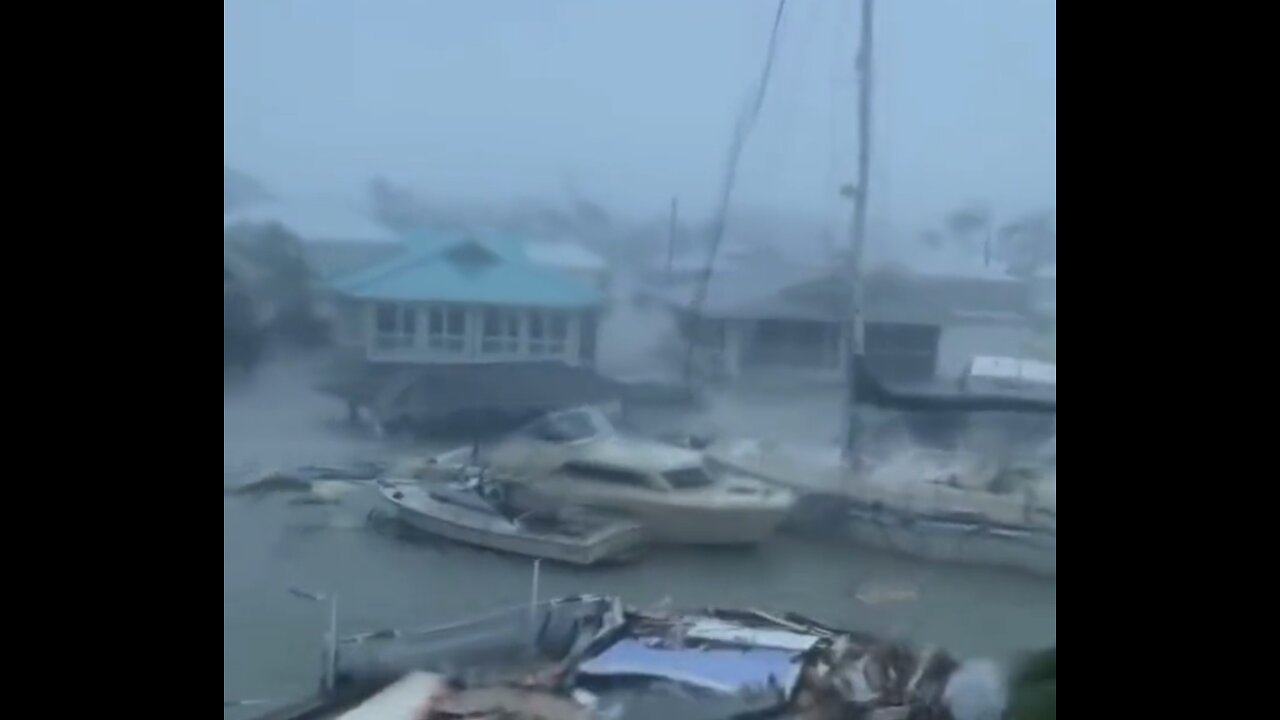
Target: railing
(456, 349)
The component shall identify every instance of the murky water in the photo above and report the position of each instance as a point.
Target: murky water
(272, 639)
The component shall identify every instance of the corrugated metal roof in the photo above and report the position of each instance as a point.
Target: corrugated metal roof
(453, 267)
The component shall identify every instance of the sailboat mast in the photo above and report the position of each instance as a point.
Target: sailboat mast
(855, 336)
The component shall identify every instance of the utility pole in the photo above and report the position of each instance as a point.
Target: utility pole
(671, 233)
(858, 230)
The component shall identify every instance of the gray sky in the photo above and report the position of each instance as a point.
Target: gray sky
(633, 100)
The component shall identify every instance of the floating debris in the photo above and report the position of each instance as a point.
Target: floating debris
(885, 595)
(591, 658)
(506, 702)
(313, 484)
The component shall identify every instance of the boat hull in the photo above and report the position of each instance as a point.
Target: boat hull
(613, 542)
(889, 519)
(665, 523)
(1027, 550)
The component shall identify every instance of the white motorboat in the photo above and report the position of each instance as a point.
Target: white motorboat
(458, 512)
(576, 458)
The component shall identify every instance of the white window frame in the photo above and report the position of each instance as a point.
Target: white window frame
(499, 331)
(548, 333)
(403, 322)
(442, 335)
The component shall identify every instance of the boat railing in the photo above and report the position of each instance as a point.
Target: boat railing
(498, 614)
(1013, 509)
(497, 638)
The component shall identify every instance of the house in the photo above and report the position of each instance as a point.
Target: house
(1044, 292)
(466, 310)
(466, 298)
(918, 326)
(1044, 308)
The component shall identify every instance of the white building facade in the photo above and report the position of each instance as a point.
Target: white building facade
(440, 332)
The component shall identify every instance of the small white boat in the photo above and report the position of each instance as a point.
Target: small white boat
(926, 504)
(459, 513)
(956, 539)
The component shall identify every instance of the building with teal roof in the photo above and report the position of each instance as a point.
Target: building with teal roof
(466, 297)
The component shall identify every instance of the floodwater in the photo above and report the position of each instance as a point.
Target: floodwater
(272, 639)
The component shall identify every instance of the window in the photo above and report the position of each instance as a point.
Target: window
(795, 343)
(447, 329)
(548, 333)
(569, 426)
(902, 352)
(537, 335)
(557, 333)
(689, 478)
(704, 332)
(587, 329)
(394, 325)
(612, 476)
(501, 332)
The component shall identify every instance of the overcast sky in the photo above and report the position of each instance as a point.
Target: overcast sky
(631, 101)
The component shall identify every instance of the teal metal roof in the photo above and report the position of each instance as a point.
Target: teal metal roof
(467, 268)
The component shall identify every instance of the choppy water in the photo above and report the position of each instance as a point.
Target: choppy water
(272, 639)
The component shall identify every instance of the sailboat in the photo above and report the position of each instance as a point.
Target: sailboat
(939, 505)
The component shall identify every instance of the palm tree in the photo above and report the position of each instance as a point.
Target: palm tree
(1029, 242)
(965, 223)
(285, 285)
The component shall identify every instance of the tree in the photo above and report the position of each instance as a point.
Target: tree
(1029, 243)
(238, 189)
(967, 223)
(1023, 246)
(283, 283)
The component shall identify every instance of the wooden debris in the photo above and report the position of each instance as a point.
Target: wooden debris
(506, 702)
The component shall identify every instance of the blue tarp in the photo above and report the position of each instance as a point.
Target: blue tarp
(723, 670)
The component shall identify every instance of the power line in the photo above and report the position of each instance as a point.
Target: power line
(746, 123)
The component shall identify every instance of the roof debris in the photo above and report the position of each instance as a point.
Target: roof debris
(606, 661)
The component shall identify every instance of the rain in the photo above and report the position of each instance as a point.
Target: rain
(452, 231)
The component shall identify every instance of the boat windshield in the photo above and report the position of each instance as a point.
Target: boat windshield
(569, 426)
(689, 478)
